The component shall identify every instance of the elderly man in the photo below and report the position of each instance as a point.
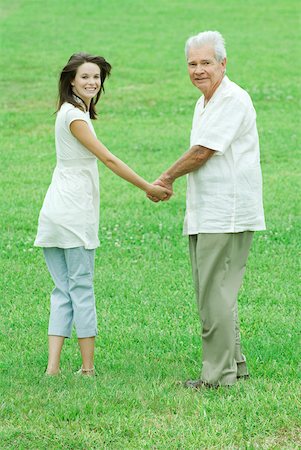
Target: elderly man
(223, 206)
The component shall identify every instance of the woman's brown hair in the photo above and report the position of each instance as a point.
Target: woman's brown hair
(68, 74)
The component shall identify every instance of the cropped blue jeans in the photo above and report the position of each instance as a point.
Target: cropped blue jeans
(72, 299)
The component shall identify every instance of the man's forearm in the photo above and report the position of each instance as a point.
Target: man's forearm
(192, 160)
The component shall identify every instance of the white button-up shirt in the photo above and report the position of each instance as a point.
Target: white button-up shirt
(225, 194)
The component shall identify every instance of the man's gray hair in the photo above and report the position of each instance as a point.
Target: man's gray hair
(213, 38)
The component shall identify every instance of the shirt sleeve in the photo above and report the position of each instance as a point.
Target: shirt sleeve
(75, 114)
(221, 126)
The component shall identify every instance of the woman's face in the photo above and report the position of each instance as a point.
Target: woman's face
(86, 83)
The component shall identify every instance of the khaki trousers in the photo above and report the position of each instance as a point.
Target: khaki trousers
(218, 265)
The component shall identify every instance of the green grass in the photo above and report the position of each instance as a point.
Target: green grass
(148, 326)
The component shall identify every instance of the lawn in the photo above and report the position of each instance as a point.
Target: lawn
(149, 333)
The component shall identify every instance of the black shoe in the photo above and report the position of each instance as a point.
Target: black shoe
(243, 377)
(199, 384)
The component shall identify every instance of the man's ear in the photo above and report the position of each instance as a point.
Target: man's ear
(224, 63)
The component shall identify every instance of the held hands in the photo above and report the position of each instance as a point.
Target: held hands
(158, 192)
(165, 192)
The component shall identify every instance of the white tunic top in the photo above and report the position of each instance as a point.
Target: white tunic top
(225, 195)
(70, 213)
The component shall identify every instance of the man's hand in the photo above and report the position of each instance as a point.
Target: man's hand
(165, 182)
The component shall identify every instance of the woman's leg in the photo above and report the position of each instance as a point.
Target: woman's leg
(80, 264)
(61, 312)
(86, 346)
(55, 344)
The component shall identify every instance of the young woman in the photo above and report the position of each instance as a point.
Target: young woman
(69, 218)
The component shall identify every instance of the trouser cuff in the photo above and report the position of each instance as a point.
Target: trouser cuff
(242, 369)
(56, 332)
(86, 332)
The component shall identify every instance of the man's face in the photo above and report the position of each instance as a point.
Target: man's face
(205, 72)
